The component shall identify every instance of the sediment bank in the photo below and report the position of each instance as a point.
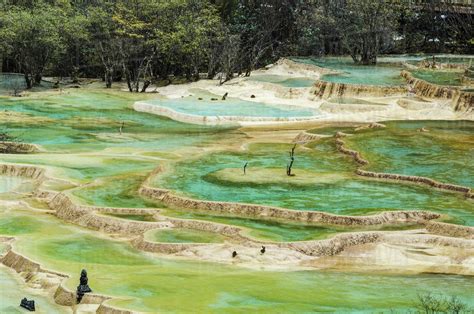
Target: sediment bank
(277, 213)
(423, 88)
(305, 137)
(324, 90)
(354, 154)
(48, 280)
(340, 144)
(29, 172)
(463, 101)
(17, 148)
(450, 230)
(141, 106)
(415, 179)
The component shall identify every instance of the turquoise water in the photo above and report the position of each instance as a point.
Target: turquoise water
(350, 196)
(442, 153)
(350, 73)
(282, 80)
(454, 59)
(13, 82)
(349, 100)
(275, 230)
(79, 130)
(79, 121)
(231, 107)
(8, 183)
(450, 78)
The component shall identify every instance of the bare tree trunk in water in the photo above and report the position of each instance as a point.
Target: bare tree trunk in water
(28, 81)
(292, 159)
(108, 77)
(37, 78)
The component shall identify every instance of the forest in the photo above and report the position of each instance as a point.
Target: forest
(142, 42)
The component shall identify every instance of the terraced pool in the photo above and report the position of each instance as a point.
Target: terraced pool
(96, 148)
(451, 78)
(231, 107)
(343, 194)
(283, 81)
(161, 284)
(384, 74)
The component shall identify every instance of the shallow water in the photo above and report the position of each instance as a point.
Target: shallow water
(352, 196)
(11, 295)
(158, 284)
(283, 81)
(384, 74)
(349, 100)
(440, 154)
(8, 183)
(231, 107)
(277, 231)
(452, 78)
(80, 133)
(179, 235)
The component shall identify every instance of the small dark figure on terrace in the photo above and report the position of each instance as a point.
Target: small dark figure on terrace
(28, 304)
(83, 287)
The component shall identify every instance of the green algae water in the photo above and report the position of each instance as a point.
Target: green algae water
(11, 296)
(351, 195)
(164, 285)
(275, 231)
(8, 183)
(440, 153)
(86, 155)
(452, 78)
(132, 217)
(180, 235)
(283, 81)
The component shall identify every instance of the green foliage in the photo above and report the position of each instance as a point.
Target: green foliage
(144, 41)
(431, 304)
(32, 37)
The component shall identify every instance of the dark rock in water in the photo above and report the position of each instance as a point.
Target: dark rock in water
(252, 96)
(214, 99)
(83, 287)
(225, 96)
(200, 98)
(29, 305)
(234, 254)
(263, 250)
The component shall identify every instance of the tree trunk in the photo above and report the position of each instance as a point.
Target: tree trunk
(28, 82)
(127, 77)
(37, 79)
(146, 83)
(108, 77)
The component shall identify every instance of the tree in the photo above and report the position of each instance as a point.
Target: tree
(32, 37)
(75, 38)
(105, 41)
(265, 27)
(366, 26)
(137, 41)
